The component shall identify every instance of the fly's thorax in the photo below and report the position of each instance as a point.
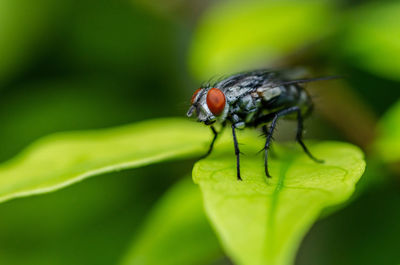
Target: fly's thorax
(235, 93)
(243, 105)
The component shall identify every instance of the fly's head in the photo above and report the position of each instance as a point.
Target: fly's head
(210, 105)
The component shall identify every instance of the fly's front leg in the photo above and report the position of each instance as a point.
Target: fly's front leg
(212, 142)
(237, 152)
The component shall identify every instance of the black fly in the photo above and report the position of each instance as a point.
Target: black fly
(253, 99)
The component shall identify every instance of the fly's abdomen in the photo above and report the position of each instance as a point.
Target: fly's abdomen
(289, 95)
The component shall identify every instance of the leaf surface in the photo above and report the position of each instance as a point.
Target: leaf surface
(177, 231)
(59, 160)
(262, 221)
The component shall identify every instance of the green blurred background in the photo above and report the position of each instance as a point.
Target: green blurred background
(90, 64)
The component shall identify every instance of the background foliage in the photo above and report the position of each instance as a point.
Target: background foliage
(72, 65)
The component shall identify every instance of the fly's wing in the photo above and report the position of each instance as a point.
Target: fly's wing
(293, 73)
(246, 79)
(299, 75)
(274, 82)
(225, 82)
(264, 76)
(266, 82)
(303, 81)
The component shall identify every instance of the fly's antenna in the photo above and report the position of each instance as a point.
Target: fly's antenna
(302, 81)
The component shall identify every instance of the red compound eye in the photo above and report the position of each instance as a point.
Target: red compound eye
(216, 101)
(194, 95)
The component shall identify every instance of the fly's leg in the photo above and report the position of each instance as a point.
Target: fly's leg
(214, 131)
(212, 142)
(299, 137)
(268, 142)
(271, 150)
(237, 152)
(270, 132)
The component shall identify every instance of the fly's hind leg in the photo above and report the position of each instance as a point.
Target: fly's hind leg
(273, 118)
(276, 116)
(299, 137)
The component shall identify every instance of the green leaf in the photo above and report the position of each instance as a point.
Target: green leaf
(23, 26)
(65, 158)
(388, 143)
(372, 38)
(177, 231)
(236, 35)
(262, 221)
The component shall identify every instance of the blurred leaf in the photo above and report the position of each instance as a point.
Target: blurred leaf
(366, 232)
(65, 158)
(235, 35)
(75, 224)
(177, 231)
(388, 143)
(263, 221)
(23, 25)
(116, 37)
(372, 38)
(33, 110)
(162, 7)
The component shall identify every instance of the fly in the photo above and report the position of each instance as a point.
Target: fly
(253, 99)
